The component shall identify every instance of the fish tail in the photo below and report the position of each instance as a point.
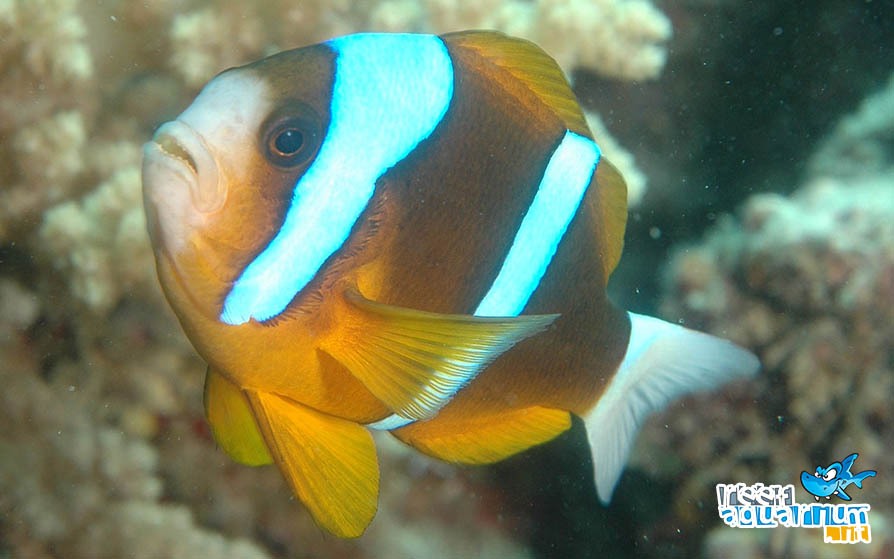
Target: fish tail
(858, 479)
(663, 362)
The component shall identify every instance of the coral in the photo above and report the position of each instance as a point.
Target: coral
(19, 308)
(48, 96)
(52, 43)
(622, 39)
(50, 156)
(147, 530)
(861, 143)
(70, 481)
(50, 151)
(44, 44)
(100, 243)
(205, 41)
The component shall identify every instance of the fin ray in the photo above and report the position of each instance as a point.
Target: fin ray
(488, 439)
(415, 361)
(532, 66)
(611, 206)
(330, 463)
(232, 424)
(663, 362)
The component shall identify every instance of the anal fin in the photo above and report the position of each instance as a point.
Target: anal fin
(330, 463)
(232, 424)
(487, 439)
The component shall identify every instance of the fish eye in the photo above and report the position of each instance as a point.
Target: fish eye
(291, 135)
(819, 472)
(287, 142)
(830, 475)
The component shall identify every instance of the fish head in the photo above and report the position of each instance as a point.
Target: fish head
(217, 180)
(823, 482)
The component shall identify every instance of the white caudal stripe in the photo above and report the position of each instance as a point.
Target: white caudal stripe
(558, 197)
(389, 94)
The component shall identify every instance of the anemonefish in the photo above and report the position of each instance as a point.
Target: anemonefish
(410, 233)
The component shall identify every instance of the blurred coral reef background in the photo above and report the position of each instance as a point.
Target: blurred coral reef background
(759, 182)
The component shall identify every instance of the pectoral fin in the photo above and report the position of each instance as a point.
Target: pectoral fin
(415, 361)
(329, 462)
(232, 423)
(487, 439)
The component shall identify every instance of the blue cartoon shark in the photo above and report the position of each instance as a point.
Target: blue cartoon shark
(832, 480)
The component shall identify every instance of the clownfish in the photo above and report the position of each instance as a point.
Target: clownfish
(410, 233)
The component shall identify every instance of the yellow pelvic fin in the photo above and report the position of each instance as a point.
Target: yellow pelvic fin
(488, 439)
(232, 423)
(531, 65)
(415, 361)
(612, 208)
(329, 462)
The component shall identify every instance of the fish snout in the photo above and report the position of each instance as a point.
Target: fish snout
(178, 157)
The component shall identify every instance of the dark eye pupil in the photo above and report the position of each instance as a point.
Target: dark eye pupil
(288, 141)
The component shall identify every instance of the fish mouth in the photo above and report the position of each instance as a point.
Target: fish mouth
(171, 147)
(180, 153)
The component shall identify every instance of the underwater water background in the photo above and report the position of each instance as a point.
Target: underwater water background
(758, 139)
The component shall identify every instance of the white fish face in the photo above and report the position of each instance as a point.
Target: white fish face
(190, 163)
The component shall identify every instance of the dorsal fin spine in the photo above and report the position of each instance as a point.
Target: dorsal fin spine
(529, 64)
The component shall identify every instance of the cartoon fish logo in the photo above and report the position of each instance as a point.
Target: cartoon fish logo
(832, 480)
(410, 233)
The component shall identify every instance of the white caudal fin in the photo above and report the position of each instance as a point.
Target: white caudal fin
(663, 362)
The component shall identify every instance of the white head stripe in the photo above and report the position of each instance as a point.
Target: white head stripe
(389, 94)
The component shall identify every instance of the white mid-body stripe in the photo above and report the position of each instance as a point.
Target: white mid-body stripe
(389, 94)
(561, 190)
(558, 197)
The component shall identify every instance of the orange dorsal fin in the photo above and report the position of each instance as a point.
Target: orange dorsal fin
(487, 439)
(232, 423)
(330, 463)
(530, 65)
(610, 206)
(415, 361)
